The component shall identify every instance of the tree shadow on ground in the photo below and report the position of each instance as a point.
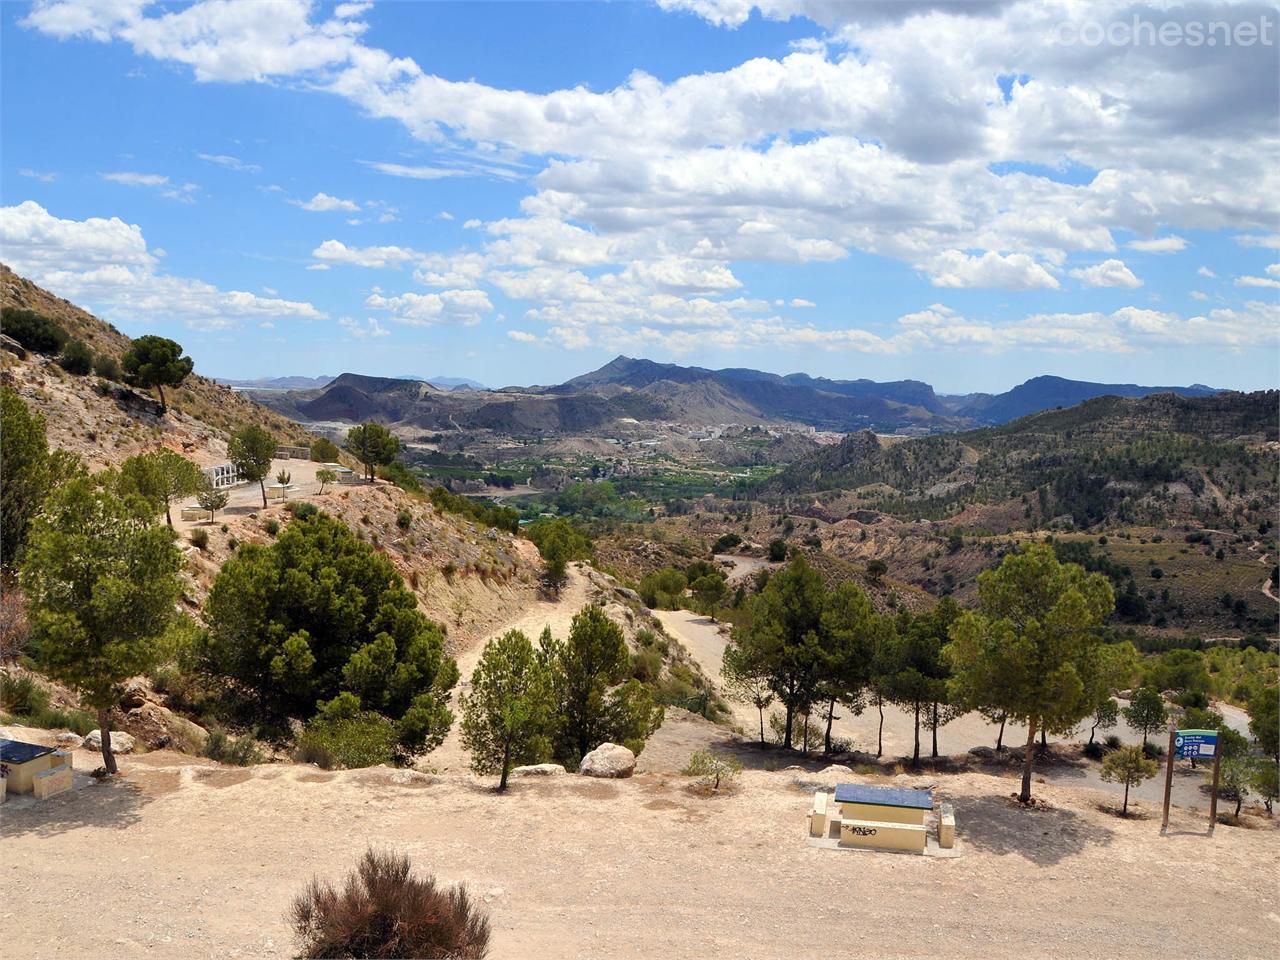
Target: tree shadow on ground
(112, 804)
(1043, 836)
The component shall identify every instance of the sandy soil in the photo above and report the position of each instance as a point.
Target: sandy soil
(182, 858)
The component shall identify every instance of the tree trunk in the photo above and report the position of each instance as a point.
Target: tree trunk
(761, 709)
(786, 735)
(104, 728)
(506, 765)
(163, 406)
(262, 485)
(1044, 742)
(831, 715)
(1092, 731)
(1125, 811)
(880, 732)
(1239, 804)
(804, 743)
(1000, 735)
(935, 730)
(1025, 795)
(915, 759)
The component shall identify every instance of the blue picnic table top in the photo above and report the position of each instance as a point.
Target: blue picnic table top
(884, 796)
(16, 751)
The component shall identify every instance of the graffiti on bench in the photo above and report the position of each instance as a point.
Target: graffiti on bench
(863, 831)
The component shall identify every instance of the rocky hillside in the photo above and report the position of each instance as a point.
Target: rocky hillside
(107, 422)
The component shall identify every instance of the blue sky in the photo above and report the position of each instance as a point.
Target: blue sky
(517, 192)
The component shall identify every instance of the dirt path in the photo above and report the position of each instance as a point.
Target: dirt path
(706, 642)
(742, 567)
(200, 861)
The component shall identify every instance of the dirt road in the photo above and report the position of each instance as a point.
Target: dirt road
(706, 642)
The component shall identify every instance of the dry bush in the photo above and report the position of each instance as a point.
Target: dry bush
(15, 629)
(383, 912)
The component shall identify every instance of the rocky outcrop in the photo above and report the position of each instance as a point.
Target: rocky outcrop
(121, 742)
(538, 770)
(609, 760)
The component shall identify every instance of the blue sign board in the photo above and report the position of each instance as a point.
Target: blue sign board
(1195, 744)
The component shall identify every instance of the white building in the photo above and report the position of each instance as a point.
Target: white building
(223, 475)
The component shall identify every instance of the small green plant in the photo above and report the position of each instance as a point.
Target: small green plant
(404, 519)
(199, 538)
(76, 358)
(271, 526)
(22, 695)
(1128, 766)
(242, 752)
(363, 740)
(301, 509)
(713, 769)
(107, 367)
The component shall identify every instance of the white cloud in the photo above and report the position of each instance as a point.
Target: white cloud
(473, 224)
(37, 175)
(798, 302)
(335, 251)
(1199, 295)
(444, 215)
(231, 163)
(184, 192)
(323, 203)
(371, 328)
(464, 307)
(1108, 273)
(1169, 244)
(105, 265)
(1269, 241)
(318, 266)
(345, 10)
(413, 172)
(521, 336)
(1014, 271)
(1206, 272)
(1272, 279)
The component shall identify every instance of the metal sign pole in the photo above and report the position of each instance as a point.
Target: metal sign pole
(1213, 803)
(1168, 783)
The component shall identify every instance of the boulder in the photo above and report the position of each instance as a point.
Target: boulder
(983, 753)
(627, 593)
(610, 760)
(160, 728)
(135, 694)
(836, 770)
(538, 770)
(121, 742)
(68, 741)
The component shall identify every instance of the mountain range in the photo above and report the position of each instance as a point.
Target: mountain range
(644, 390)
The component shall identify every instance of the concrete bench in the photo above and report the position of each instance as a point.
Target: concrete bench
(818, 816)
(880, 835)
(947, 827)
(194, 513)
(51, 782)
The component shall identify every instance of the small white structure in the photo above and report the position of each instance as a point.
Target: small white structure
(279, 491)
(222, 475)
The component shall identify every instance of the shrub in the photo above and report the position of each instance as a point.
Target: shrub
(365, 739)
(301, 509)
(383, 911)
(726, 542)
(1113, 742)
(33, 330)
(1094, 751)
(272, 526)
(199, 538)
(324, 451)
(713, 769)
(22, 695)
(646, 665)
(107, 367)
(777, 550)
(76, 358)
(404, 519)
(242, 752)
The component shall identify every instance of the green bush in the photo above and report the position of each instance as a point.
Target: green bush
(646, 665)
(726, 542)
(404, 519)
(1113, 742)
(107, 367)
(242, 752)
(271, 526)
(777, 550)
(324, 451)
(302, 509)
(76, 358)
(33, 330)
(363, 740)
(22, 694)
(1094, 751)
(199, 538)
(713, 769)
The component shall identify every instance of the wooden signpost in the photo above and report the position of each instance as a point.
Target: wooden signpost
(1192, 745)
